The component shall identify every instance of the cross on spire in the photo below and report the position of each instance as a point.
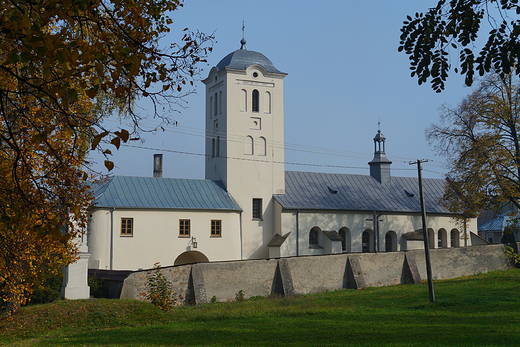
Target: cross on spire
(243, 41)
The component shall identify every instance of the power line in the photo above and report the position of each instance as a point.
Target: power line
(255, 160)
(191, 131)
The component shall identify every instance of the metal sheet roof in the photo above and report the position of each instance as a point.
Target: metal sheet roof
(242, 59)
(496, 224)
(326, 191)
(158, 192)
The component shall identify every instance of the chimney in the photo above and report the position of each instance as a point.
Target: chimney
(157, 165)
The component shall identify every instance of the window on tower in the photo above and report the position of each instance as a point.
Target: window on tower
(249, 145)
(256, 101)
(243, 100)
(220, 103)
(267, 100)
(262, 146)
(216, 105)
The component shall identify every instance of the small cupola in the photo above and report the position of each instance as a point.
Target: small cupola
(380, 165)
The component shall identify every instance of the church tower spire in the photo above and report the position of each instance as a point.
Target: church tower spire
(380, 165)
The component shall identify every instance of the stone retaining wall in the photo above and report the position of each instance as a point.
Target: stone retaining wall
(304, 275)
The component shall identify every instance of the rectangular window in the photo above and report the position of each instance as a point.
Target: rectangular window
(216, 228)
(257, 208)
(127, 226)
(184, 228)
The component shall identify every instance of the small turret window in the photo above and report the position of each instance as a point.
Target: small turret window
(256, 101)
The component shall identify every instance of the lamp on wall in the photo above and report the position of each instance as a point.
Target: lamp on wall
(193, 242)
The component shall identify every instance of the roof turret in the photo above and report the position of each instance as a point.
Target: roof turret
(380, 165)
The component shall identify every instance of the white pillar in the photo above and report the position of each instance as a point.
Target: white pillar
(75, 279)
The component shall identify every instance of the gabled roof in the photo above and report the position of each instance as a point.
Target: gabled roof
(496, 224)
(158, 192)
(326, 191)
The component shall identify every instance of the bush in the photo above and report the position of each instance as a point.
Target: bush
(160, 290)
(512, 255)
(48, 291)
(97, 289)
(240, 296)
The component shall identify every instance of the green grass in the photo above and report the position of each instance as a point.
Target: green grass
(481, 310)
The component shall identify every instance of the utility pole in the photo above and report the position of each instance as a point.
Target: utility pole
(425, 232)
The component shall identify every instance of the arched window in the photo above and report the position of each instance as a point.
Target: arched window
(455, 238)
(220, 103)
(267, 100)
(390, 242)
(343, 240)
(262, 146)
(243, 100)
(345, 243)
(210, 106)
(216, 105)
(313, 237)
(213, 148)
(249, 145)
(431, 238)
(365, 242)
(256, 101)
(218, 147)
(442, 241)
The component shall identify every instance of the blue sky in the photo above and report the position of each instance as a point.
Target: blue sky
(344, 75)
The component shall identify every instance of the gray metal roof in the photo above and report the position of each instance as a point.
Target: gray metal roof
(278, 240)
(496, 224)
(326, 191)
(158, 192)
(241, 59)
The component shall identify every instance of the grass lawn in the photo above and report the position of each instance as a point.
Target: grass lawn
(482, 310)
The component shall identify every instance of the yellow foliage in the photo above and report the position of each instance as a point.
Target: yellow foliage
(481, 141)
(64, 66)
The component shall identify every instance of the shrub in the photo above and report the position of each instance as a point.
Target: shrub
(48, 290)
(240, 296)
(160, 289)
(513, 256)
(97, 289)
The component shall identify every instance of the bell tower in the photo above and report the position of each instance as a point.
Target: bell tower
(380, 165)
(245, 140)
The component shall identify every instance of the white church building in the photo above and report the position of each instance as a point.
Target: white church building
(249, 207)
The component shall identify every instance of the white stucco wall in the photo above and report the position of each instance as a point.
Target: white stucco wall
(359, 222)
(156, 237)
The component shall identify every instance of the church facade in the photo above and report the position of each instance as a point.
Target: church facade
(248, 206)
